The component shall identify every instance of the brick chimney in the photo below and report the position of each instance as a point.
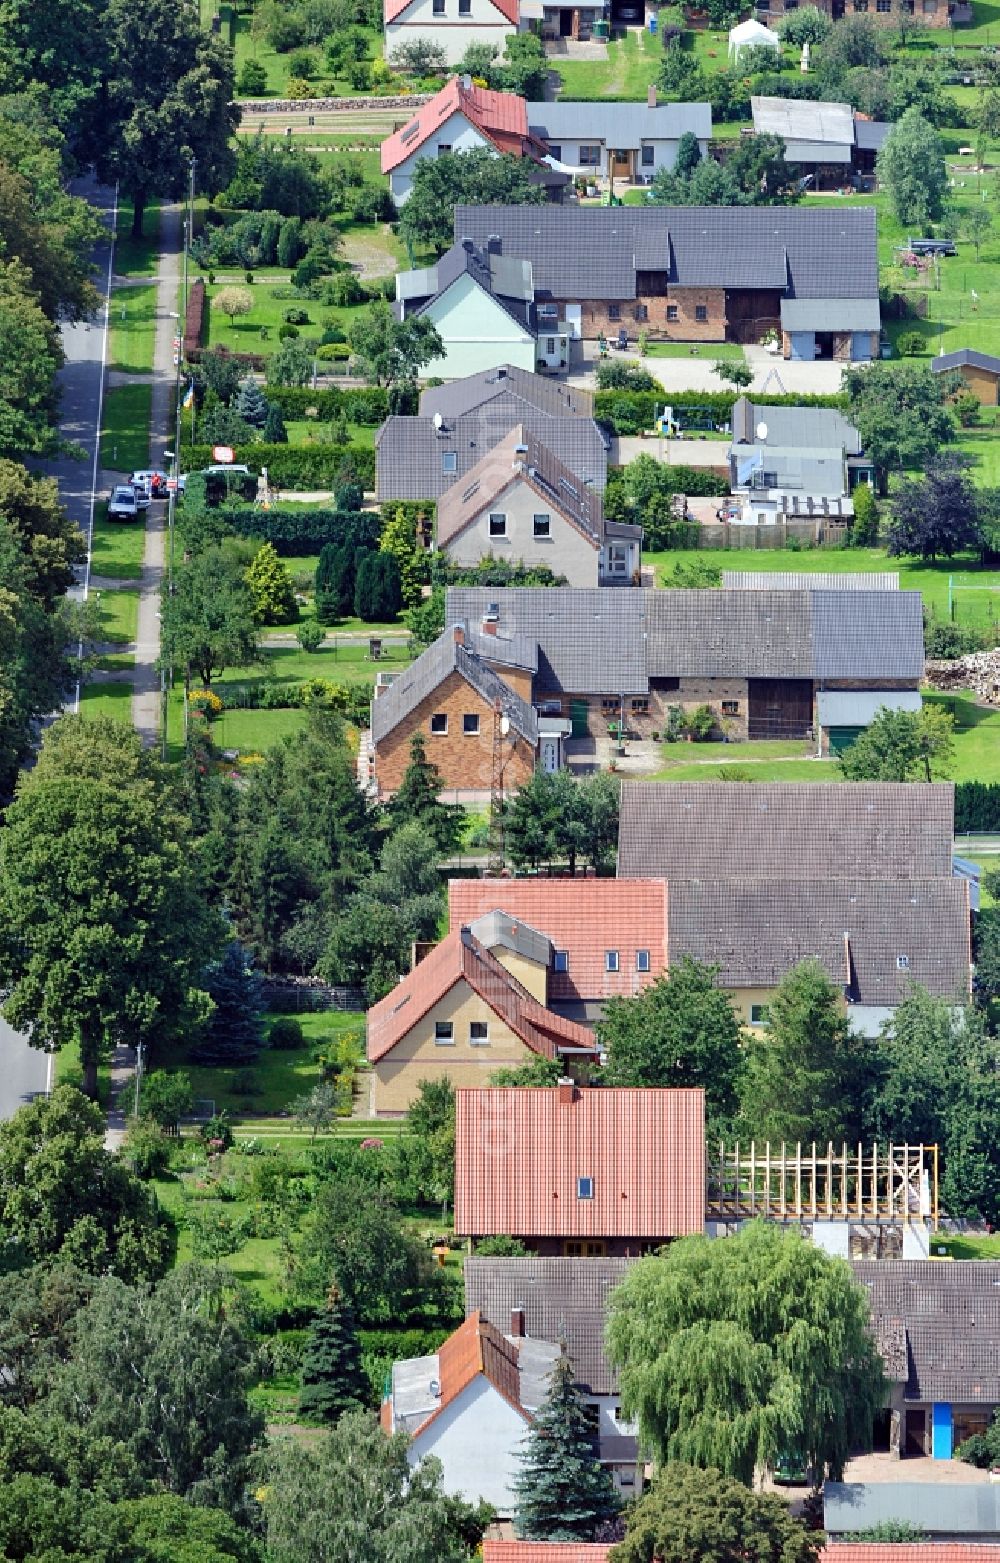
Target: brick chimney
(459, 634)
(489, 626)
(517, 1324)
(567, 1093)
(651, 95)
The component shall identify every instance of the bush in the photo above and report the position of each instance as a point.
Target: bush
(146, 1149)
(285, 1035)
(977, 808)
(295, 315)
(252, 81)
(699, 723)
(297, 532)
(909, 344)
(302, 63)
(298, 88)
(309, 635)
(286, 332)
(966, 408)
(297, 467)
(946, 642)
(620, 375)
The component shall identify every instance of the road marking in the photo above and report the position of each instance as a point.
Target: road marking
(97, 427)
(48, 1074)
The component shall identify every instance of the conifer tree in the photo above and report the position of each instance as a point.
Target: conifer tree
(417, 799)
(563, 1492)
(275, 432)
(251, 403)
(235, 1028)
(271, 587)
(333, 1380)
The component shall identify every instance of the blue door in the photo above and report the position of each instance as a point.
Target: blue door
(861, 347)
(803, 345)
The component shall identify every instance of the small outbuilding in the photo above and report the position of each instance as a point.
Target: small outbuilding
(980, 371)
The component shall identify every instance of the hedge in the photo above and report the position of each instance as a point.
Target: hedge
(977, 807)
(293, 466)
(194, 318)
(296, 532)
(364, 404)
(640, 407)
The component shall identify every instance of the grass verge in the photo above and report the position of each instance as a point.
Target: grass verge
(133, 329)
(125, 428)
(137, 257)
(119, 614)
(118, 548)
(114, 700)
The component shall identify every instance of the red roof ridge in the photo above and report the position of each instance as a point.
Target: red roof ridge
(502, 117)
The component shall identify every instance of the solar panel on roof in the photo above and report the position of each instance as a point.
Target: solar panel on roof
(409, 134)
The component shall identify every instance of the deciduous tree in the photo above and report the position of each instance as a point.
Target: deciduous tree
(911, 169)
(476, 178)
(208, 622)
(689, 1513)
(899, 410)
(391, 351)
(936, 515)
(271, 588)
(902, 746)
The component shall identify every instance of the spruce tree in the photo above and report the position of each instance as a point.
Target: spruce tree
(563, 1492)
(332, 1378)
(251, 403)
(275, 432)
(377, 592)
(417, 799)
(235, 1028)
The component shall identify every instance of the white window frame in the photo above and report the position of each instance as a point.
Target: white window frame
(444, 1033)
(499, 516)
(642, 960)
(584, 1188)
(467, 731)
(560, 960)
(547, 520)
(484, 1040)
(439, 732)
(612, 962)
(449, 462)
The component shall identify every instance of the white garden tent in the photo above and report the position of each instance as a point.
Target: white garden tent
(752, 32)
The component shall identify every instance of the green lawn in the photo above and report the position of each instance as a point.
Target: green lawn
(125, 428)
(310, 431)
(107, 700)
(631, 66)
(137, 257)
(119, 612)
(731, 350)
(243, 334)
(133, 329)
(118, 548)
(276, 65)
(966, 1246)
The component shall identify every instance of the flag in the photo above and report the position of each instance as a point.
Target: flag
(189, 396)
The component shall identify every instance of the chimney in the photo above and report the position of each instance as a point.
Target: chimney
(567, 1093)
(467, 83)
(517, 1326)
(489, 626)
(651, 95)
(494, 244)
(468, 246)
(459, 633)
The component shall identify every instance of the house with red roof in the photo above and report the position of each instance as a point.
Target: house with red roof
(470, 1405)
(580, 1171)
(461, 1014)
(462, 117)
(608, 936)
(546, 1552)
(453, 24)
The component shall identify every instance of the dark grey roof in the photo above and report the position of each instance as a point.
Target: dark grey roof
(446, 656)
(830, 314)
(409, 451)
(757, 930)
(619, 124)
(965, 356)
(951, 1314)
(869, 134)
(806, 427)
(612, 643)
(507, 389)
(583, 252)
(561, 1298)
(785, 830)
(942, 1509)
(590, 641)
(504, 278)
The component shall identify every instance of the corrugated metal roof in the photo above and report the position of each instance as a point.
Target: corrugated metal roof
(508, 389)
(497, 928)
(869, 134)
(934, 1506)
(786, 830)
(584, 252)
(619, 124)
(951, 1314)
(584, 918)
(830, 314)
(563, 1299)
(410, 452)
(814, 581)
(806, 427)
(860, 930)
(520, 1155)
(803, 120)
(857, 707)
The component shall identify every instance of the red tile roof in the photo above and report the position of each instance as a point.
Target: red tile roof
(583, 917)
(909, 1552)
(501, 117)
(519, 1154)
(545, 1552)
(461, 956)
(475, 1347)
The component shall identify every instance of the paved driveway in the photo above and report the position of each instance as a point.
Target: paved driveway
(694, 371)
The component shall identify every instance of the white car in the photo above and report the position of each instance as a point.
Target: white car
(123, 504)
(153, 478)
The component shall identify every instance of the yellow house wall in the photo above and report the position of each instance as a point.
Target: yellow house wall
(396, 1077)
(528, 973)
(743, 998)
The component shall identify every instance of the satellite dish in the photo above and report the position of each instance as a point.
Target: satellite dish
(438, 421)
(762, 431)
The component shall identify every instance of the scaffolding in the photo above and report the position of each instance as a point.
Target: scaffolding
(879, 1184)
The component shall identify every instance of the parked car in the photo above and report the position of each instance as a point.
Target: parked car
(154, 478)
(931, 247)
(223, 467)
(143, 492)
(123, 504)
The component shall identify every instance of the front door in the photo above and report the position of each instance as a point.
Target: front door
(621, 163)
(550, 755)
(916, 1433)
(566, 22)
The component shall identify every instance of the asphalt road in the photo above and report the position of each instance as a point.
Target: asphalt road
(24, 1071)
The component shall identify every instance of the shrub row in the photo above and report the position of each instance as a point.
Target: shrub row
(194, 319)
(364, 404)
(351, 700)
(305, 531)
(639, 407)
(977, 807)
(296, 467)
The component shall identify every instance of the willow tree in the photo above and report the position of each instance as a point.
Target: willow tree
(734, 1351)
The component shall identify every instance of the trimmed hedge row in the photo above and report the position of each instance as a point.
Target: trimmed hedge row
(194, 318)
(977, 807)
(640, 406)
(295, 467)
(295, 532)
(364, 404)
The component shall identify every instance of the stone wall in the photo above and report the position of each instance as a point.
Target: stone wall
(251, 107)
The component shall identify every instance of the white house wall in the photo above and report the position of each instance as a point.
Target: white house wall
(478, 1440)
(664, 156)
(484, 24)
(456, 133)
(477, 333)
(565, 551)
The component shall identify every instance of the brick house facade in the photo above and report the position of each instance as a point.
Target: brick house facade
(460, 747)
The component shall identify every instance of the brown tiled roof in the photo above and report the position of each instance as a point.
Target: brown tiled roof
(563, 1299)
(785, 830)
(474, 1348)
(874, 938)
(520, 1153)
(520, 457)
(908, 1552)
(545, 1552)
(583, 917)
(461, 956)
(951, 1316)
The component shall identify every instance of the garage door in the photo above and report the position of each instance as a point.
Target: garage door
(841, 738)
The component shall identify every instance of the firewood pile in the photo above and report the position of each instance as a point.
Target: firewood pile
(980, 672)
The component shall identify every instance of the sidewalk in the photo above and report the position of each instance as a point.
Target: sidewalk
(146, 682)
